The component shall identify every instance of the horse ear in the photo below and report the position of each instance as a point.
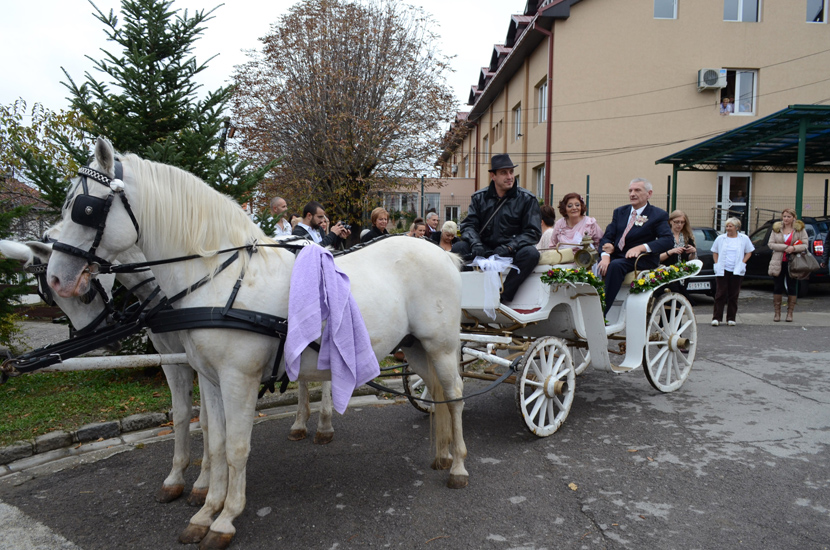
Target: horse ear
(104, 155)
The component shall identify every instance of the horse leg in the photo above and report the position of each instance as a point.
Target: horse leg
(417, 358)
(200, 487)
(325, 431)
(200, 523)
(180, 380)
(298, 429)
(240, 424)
(453, 388)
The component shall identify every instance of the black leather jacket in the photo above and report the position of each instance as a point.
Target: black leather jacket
(518, 223)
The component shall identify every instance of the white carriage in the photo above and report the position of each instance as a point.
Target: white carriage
(550, 333)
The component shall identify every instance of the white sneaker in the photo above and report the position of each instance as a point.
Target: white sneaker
(731, 323)
(715, 322)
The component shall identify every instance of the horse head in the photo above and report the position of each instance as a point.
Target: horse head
(98, 224)
(85, 312)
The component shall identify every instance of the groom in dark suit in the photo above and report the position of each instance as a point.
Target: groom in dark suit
(637, 228)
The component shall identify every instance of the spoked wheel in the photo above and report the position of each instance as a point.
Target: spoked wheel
(672, 341)
(581, 358)
(414, 386)
(545, 386)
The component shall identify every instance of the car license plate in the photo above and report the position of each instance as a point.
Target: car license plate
(698, 286)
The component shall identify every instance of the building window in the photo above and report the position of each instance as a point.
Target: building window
(665, 9)
(466, 166)
(486, 149)
(452, 213)
(539, 180)
(542, 100)
(517, 121)
(817, 11)
(745, 11)
(741, 87)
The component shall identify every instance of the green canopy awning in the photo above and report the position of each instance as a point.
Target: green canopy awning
(795, 139)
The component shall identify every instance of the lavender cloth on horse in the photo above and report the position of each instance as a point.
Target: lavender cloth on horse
(321, 292)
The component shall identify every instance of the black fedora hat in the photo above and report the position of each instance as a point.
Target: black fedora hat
(501, 161)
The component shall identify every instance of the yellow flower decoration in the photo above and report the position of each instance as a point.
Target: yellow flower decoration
(674, 267)
(641, 282)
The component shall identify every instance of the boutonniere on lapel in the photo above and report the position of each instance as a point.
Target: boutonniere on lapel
(640, 220)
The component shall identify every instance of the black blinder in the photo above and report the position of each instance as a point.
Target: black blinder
(90, 211)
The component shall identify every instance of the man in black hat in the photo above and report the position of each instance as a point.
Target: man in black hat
(503, 219)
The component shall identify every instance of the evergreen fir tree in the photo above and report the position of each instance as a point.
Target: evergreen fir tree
(150, 106)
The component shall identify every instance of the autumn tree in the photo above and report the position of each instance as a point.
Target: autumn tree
(149, 103)
(351, 95)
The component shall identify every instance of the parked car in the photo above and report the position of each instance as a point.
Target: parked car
(704, 281)
(758, 264)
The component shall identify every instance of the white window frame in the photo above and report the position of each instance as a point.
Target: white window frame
(739, 93)
(487, 149)
(539, 177)
(741, 4)
(674, 8)
(824, 6)
(452, 212)
(466, 166)
(542, 99)
(517, 121)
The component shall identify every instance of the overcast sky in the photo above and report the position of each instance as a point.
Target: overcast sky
(38, 37)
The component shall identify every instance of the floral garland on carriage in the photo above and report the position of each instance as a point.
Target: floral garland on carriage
(561, 276)
(662, 275)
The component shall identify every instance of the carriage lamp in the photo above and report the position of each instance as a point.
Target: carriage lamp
(587, 256)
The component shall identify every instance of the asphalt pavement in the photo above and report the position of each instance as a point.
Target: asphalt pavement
(737, 458)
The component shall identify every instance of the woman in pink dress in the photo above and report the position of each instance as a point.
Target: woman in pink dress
(574, 224)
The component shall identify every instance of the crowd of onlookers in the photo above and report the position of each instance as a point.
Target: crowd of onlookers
(507, 221)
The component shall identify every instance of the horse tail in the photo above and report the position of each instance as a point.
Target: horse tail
(440, 423)
(456, 260)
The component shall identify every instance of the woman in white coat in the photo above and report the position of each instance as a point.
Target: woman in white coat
(730, 253)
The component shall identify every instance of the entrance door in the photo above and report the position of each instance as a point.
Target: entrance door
(733, 199)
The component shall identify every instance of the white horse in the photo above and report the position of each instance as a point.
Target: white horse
(84, 313)
(172, 213)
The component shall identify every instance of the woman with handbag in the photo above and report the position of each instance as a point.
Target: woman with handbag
(788, 237)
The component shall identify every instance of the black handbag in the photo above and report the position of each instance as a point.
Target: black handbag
(801, 265)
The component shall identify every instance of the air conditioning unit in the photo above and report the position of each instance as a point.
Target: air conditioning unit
(711, 79)
(454, 169)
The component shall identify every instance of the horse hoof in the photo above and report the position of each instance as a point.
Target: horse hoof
(197, 497)
(216, 541)
(296, 435)
(458, 482)
(169, 493)
(323, 438)
(193, 533)
(441, 464)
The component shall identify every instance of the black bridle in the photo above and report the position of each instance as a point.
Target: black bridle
(91, 211)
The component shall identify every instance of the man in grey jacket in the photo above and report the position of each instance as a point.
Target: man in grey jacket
(503, 219)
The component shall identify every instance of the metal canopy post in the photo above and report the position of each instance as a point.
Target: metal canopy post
(799, 180)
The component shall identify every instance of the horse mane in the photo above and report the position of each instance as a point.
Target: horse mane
(181, 215)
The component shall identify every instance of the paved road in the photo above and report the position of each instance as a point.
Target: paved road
(738, 458)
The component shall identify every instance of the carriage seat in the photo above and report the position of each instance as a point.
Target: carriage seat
(556, 257)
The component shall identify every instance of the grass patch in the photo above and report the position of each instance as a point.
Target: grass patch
(36, 404)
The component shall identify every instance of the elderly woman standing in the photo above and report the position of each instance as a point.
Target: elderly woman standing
(788, 237)
(730, 253)
(380, 219)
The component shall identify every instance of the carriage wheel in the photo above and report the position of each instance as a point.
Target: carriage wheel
(672, 341)
(414, 385)
(581, 358)
(545, 386)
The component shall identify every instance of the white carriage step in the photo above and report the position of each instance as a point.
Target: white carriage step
(485, 338)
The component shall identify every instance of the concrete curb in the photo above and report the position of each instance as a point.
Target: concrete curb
(138, 428)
